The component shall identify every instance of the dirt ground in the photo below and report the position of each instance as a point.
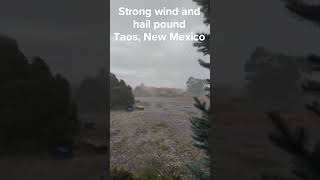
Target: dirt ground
(161, 132)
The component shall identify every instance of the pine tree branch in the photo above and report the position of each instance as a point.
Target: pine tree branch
(202, 106)
(205, 9)
(304, 10)
(307, 166)
(203, 46)
(204, 64)
(292, 142)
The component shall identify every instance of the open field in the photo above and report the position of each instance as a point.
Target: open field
(241, 148)
(161, 133)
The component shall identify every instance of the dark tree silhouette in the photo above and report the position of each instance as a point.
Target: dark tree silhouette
(307, 160)
(121, 95)
(92, 93)
(36, 107)
(266, 70)
(201, 125)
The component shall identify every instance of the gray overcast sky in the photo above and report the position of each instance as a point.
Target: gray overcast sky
(166, 63)
(70, 35)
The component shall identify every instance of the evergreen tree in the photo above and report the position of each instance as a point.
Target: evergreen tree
(35, 105)
(121, 95)
(92, 96)
(201, 125)
(307, 161)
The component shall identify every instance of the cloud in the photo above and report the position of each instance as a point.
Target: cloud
(164, 63)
